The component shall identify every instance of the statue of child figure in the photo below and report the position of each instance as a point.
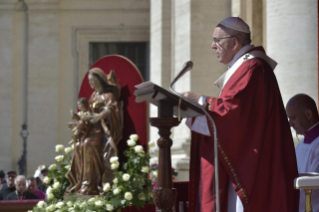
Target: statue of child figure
(80, 128)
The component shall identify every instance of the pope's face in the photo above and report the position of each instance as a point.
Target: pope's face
(222, 47)
(21, 185)
(94, 82)
(297, 120)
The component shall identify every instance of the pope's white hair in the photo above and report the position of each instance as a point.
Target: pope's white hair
(21, 177)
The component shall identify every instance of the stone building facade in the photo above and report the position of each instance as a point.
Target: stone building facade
(59, 34)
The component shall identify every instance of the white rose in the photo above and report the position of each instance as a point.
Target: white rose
(115, 165)
(109, 207)
(115, 181)
(126, 177)
(56, 185)
(131, 142)
(114, 159)
(106, 187)
(116, 191)
(60, 204)
(145, 169)
(128, 195)
(134, 137)
(141, 196)
(59, 158)
(83, 205)
(68, 150)
(138, 149)
(52, 167)
(50, 196)
(151, 144)
(69, 203)
(59, 148)
(99, 203)
(71, 209)
(47, 180)
(67, 167)
(41, 204)
(154, 173)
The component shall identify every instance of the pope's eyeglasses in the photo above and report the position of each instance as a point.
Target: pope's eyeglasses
(217, 40)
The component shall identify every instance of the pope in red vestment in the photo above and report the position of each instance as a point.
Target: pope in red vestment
(257, 159)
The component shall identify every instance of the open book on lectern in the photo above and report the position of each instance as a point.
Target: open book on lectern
(152, 93)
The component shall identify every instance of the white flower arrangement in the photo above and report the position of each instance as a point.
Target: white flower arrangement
(131, 185)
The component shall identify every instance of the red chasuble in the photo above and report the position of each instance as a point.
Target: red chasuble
(255, 146)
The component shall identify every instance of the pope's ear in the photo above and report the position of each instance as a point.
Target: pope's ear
(308, 114)
(235, 43)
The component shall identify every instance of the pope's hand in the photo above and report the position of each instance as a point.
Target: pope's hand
(192, 95)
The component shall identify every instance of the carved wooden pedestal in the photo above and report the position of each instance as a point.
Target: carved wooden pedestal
(164, 195)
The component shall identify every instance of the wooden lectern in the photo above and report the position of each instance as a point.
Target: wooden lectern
(168, 105)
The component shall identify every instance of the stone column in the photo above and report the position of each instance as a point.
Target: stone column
(292, 42)
(20, 78)
(194, 23)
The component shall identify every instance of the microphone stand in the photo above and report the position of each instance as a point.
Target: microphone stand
(187, 67)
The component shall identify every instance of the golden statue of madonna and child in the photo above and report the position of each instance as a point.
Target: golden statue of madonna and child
(95, 134)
